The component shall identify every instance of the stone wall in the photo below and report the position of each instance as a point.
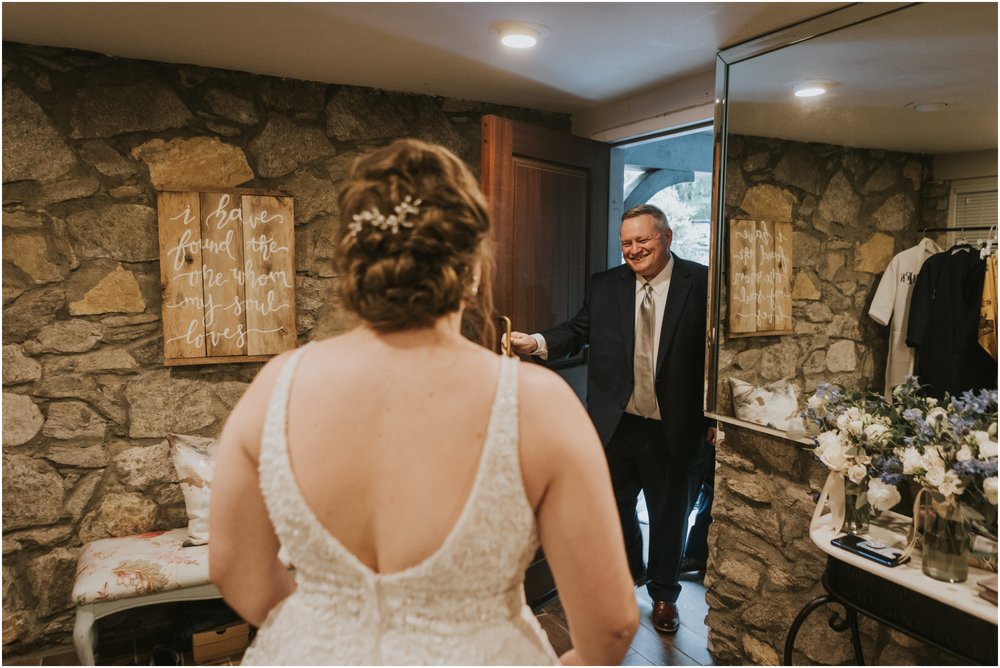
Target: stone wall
(852, 210)
(87, 140)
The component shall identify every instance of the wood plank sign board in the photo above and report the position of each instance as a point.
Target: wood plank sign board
(760, 278)
(227, 271)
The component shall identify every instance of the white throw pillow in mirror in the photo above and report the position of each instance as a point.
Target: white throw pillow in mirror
(194, 459)
(772, 405)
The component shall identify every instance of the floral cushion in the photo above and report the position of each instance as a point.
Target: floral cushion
(772, 405)
(115, 568)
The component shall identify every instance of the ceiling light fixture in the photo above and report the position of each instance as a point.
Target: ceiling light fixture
(927, 106)
(519, 38)
(518, 34)
(810, 89)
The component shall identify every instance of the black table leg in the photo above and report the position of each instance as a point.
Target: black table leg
(849, 621)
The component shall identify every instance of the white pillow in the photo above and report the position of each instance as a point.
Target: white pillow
(772, 405)
(194, 459)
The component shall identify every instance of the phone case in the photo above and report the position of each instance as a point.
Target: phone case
(869, 548)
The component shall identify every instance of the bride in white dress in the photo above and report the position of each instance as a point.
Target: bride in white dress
(409, 472)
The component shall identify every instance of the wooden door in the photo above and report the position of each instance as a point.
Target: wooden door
(548, 197)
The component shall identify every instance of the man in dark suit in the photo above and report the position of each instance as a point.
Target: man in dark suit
(644, 323)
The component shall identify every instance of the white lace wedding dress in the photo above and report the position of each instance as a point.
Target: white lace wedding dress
(464, 604)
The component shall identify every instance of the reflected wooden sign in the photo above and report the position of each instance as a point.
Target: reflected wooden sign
(760, 278)
(227, 271)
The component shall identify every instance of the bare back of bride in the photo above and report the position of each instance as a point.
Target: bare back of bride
(410, 472)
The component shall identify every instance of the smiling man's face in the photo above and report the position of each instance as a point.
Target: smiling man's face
(645, 247)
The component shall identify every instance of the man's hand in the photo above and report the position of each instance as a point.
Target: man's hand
(524, 344)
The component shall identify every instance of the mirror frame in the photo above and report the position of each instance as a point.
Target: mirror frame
(833, 21)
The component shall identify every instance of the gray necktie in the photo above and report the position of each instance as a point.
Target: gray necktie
(643, 394)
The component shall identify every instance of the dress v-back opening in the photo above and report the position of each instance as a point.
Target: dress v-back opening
(283, 446)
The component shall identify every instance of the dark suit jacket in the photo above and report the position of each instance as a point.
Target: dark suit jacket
(607, 324)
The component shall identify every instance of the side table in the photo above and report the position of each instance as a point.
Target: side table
(950, 617)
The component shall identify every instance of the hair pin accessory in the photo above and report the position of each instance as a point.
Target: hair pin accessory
(395, 220)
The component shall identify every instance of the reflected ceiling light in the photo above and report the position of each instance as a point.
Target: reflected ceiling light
(519, 35)
(811, 88)
(927, 106)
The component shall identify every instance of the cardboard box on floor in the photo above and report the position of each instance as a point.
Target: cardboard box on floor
(220, 642)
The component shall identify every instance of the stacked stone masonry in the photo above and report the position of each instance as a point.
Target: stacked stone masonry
(852, 210)
(87, 402)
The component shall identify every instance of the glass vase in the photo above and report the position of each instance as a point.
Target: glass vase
(857, 511)
(946, 539)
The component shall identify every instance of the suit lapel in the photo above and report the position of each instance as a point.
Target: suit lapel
(680, 287)
(626, 316)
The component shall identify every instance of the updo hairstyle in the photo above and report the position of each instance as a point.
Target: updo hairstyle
(410, 277)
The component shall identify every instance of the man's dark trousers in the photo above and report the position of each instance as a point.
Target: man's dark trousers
(637, 460)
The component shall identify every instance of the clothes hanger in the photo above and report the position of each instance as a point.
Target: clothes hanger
(988, 243)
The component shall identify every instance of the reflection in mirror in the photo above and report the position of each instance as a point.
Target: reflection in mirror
(861, 173)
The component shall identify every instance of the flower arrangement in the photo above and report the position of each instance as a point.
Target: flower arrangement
(948, 446)
(855, 437)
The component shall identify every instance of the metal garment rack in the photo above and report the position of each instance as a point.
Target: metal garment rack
(967, 228)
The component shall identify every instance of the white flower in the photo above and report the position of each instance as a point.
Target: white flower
(932, 458)
(882, 496)
(842, 421)
(877, 433)
(831, 451)
(857, 473)
(987, 445)
(913, 461)
(932, 402)
(951, 485)
(990, 489)
(935, 476)
(814, 402)
(856, 427)
(863, 458)
(964, 454)
(993, 430)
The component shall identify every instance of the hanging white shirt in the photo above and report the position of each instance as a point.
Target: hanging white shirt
(892, 302)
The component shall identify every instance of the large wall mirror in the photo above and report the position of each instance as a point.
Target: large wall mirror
(815, 195)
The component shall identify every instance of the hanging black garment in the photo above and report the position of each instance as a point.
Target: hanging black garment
(944, 324)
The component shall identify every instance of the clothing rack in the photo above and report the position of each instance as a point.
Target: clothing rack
(967, 228)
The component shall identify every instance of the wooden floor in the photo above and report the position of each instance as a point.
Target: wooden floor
(688, 647)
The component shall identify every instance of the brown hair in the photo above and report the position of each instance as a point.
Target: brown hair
(411, 277)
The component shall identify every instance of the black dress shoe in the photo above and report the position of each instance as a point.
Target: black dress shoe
(665, 617)
(692, 565)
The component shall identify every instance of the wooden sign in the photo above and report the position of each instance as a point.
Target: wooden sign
(760, 278)
(227, 269)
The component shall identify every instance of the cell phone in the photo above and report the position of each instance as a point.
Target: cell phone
(869, 548)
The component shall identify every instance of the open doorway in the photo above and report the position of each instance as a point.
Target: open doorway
(672, 171)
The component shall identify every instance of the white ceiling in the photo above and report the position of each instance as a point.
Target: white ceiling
(929, 53)
(608, 64)
(594, 54)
